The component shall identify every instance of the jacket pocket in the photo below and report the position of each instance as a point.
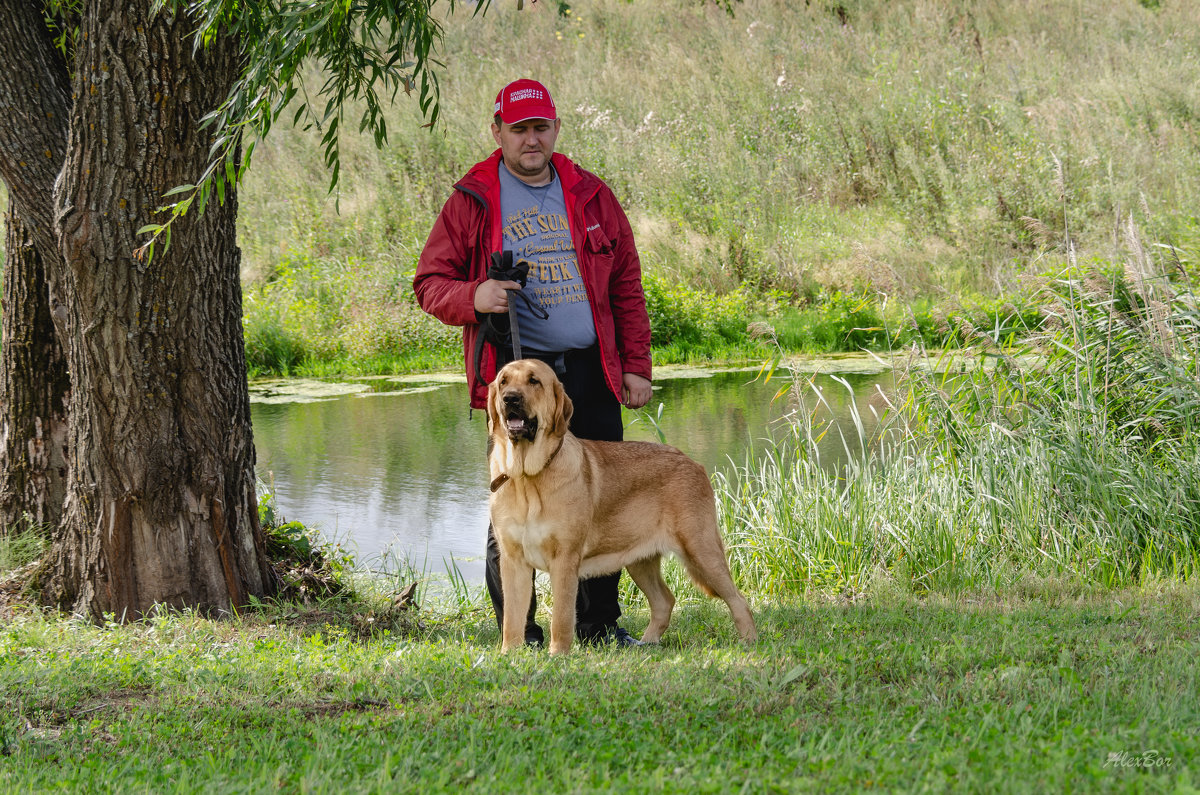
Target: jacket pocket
(599, 249)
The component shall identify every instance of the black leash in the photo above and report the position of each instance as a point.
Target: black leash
(502, 330)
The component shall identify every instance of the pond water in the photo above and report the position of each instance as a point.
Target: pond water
(393, 468)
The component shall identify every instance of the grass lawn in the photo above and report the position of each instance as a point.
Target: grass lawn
(1046, 688)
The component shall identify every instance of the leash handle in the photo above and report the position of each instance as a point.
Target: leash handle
(512, 323)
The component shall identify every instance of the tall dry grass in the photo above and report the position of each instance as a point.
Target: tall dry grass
(904, 147)
(804, 143)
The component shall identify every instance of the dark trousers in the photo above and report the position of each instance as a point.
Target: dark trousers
(597, 416)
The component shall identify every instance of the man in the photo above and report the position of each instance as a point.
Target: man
(584, 273)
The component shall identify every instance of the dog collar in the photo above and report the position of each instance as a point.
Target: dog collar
(503, 477)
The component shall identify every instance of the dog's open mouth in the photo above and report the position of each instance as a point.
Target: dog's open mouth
(519, 426)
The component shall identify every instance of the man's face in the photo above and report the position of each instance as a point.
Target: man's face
(526, 147)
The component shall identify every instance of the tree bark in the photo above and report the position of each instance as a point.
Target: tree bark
(33, 376)
(161, 504)
(34, 106)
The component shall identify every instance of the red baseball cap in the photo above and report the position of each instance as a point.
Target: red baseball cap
(524, 99)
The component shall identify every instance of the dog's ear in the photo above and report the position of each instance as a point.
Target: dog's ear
(495, 421)
(563, 409)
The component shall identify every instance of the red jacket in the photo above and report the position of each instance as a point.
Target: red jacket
(457, 255)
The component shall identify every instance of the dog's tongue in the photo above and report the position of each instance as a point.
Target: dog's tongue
(516, 424)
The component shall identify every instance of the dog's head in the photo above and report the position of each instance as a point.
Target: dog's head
(527, 396)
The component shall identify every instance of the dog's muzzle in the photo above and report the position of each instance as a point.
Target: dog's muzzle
(516, 420)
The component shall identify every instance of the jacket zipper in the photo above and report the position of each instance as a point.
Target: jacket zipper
(487, 210)
(580, 252)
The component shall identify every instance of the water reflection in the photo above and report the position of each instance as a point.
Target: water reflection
(394, 468)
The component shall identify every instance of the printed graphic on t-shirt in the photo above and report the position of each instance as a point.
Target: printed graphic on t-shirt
(545, 242)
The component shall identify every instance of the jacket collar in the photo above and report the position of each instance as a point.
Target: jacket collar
(483, 178)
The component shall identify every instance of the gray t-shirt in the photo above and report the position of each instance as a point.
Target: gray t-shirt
(536, 229)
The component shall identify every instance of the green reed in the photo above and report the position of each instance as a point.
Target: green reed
(1073, 455)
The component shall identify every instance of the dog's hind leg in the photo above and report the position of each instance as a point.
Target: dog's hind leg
(647, 575)
(703, 556)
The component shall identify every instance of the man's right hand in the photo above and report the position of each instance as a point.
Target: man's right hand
(492, 296)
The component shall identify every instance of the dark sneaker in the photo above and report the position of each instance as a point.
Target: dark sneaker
(615, 636)
(621, 637)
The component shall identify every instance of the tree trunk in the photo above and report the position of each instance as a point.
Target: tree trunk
(34, 105)
(33, 375)
(161, 504)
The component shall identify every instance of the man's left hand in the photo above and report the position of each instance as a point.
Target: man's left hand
(637, 390)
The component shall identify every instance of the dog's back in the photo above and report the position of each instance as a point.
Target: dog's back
(627, 468)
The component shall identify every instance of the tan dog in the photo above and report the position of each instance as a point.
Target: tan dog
(578, 508)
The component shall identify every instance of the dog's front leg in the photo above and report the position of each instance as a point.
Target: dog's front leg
(564, 585)
(516, 585)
